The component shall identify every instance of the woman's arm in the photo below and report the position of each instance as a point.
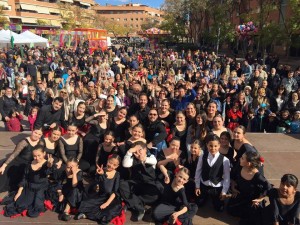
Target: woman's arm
(18, 149)
(80, 148)
(98, 153)
(62, 151)
(164, 171)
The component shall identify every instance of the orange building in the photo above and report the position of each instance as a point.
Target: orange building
(31, 12)
(130, 15)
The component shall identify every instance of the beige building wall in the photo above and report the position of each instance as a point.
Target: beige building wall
(130, 15)
(27, 12)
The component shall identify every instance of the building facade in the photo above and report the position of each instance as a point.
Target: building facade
(35, 12)
(130, 15)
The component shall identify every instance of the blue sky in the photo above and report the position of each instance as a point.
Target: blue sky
(152, 3)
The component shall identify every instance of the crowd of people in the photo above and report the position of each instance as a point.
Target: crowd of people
(159, 128)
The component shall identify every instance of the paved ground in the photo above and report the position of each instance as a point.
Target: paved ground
(281, 152)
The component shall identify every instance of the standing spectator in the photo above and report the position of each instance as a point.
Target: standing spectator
(273, 79)
(181, 102)
(2, 76)
(246, 70)
(44, 70)
(32, 71)
(289, 82)
(8, 103)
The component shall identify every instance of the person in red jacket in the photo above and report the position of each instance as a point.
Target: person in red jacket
(234, 116)
(14, 123)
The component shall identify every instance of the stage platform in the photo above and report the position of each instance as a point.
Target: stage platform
(281, 153)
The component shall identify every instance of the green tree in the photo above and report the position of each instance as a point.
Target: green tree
(149, 23)
(74, 16)
(290, 25)
(3, 19)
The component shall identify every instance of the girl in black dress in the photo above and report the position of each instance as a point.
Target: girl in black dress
(225, 148)
(98, 126)
(191, 164)
(248, 188)
(78, 118)
(71, 145)
(180, 130)
(12, 169)
(173, 204)
(132, 121)
(31, 193)
(169, 159)
(137, 134)
(70, 193)
(104, 150)
(197, 131)
(118, 125)
(102, 203)
(284, 208)
(51, 145)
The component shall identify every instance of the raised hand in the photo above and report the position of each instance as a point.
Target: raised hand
(100, 170)
(50, 160)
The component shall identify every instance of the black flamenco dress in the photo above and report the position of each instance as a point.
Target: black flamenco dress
(284, 214)
(118, 129)
(102, 157)
(173, 201)
(35, 183)
(182, 136)
(92, 140)
(97, 194)
(72, 195)
(16, 164)
(241, 206)
(190, 185)
(170, 166)
(230, 155)
(75, 150)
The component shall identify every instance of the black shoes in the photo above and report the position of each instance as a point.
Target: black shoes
(65, 217)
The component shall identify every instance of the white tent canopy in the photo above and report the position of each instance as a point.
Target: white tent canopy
(27, 38)
(4, 37)
(35, 38)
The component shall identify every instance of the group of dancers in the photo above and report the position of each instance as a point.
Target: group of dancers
(51, 172)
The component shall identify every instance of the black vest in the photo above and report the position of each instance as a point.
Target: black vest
(214, 173)
(143, 173)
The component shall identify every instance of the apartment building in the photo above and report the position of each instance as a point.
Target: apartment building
(130, 15)
(32, 12)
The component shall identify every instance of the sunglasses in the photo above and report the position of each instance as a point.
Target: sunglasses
(39, 83)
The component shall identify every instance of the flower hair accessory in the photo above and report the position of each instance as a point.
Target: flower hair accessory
(110, 156)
